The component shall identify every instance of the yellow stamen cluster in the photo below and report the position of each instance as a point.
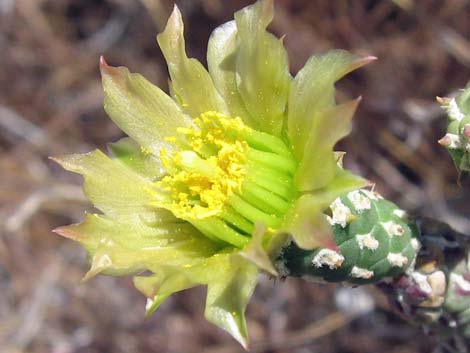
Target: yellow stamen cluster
(223, 177)
(207, 167)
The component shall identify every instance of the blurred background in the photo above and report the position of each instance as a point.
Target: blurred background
(51, 104)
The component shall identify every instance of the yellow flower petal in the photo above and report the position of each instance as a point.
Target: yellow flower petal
(190, 81)
(262, 67)
(313, 91)
(140, 109)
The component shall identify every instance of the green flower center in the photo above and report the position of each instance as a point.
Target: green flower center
(223, 177)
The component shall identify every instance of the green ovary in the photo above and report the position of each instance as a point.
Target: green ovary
(223, 177)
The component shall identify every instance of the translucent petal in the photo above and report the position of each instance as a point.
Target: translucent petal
(228, 297)
(127, 151)
(158, 287)
(319, 163)
(313, 91)
(118, 248)
(256, 253)
(306, 222)
(221, 54)
(140, 109)
(154, 303)
(308, 225)
(343, 182)
(191, 83)
(230, 280)
(112, 187)
(262, 67)
(166, 281)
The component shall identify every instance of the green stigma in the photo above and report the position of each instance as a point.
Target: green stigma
(222, 177)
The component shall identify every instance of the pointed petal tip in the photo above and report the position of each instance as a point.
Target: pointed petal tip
(175, 15)
(349, 106)
(103, 62)
(116, 73)
(245, 345)
(56, 159)
(92, 272)
(366, 59)
(362, 61)
(89, 275)
(64, 161)
(176, 8)
(105, 68)
(99, 263)
(371, 58)
(356, 102)
(65, 232)
(149, 310)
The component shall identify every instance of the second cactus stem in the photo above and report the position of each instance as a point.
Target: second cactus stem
(421, 264)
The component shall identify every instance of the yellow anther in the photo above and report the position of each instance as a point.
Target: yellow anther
(200, 183)
(171, 139)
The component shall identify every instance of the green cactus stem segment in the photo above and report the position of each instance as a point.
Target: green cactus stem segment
(457, 137)
(223, 176)
(373, 238)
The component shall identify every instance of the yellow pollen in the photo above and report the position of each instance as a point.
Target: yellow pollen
(171, 139)
(207, 167)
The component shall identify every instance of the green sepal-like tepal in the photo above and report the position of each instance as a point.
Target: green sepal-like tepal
(373, 241)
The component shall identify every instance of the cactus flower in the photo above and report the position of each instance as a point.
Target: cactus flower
(211, 181)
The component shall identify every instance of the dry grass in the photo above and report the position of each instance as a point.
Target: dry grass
(50, 104)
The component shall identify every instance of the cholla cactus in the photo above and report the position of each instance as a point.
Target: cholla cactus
(211, 181)
(457, 138)
(236, 173)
